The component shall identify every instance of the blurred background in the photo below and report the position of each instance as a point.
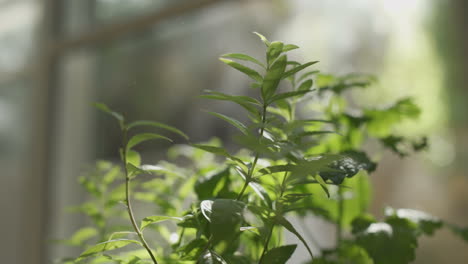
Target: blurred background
(151, 59)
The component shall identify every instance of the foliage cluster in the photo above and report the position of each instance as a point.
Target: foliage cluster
(300, 154)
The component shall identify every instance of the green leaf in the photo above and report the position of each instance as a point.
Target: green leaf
(248, 103)
(264, 40)
(134, 171)
(80, 236)
(138, 138)
(286, 224)
(426, 222)
(273, 77)
(289, 47)
(158, 125)
(243, 57)
(106, 246)
(156, 219)
(205, 187)
(104, 108)
(305, 86)
(286, 95)
(278, 255)
(273, 51)
(232, 121)
(244, 69)
(322, 184)
(297, 69)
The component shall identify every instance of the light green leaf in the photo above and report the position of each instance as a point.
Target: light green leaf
(243, 57)
(106, 246)
(250, 72)
(157, 124)
(273, 51)
(156, 219)
(289, 47)
(138, 138)
(264, 40)
(297, 69)
(278, 255)
(284, 222)
(216, 150)
(134, 158)
(322, 184)
(232, 121)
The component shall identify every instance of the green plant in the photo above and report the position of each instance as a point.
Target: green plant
(300, 154)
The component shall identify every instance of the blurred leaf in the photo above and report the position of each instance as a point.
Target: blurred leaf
(104, 108)
(158, 125)
(211, 257)
(244, 69)
(278, 255)
(105, 246)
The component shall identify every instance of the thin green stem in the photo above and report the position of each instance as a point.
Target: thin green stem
(254, 163)
(129, 204)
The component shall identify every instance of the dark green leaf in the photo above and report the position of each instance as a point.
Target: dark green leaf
(232, 121)
(205, 187)
(250, 104)
(243, 57)
(278, 255)
(157, 124)
(138, 138)
(226, 218)
(244, 69)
